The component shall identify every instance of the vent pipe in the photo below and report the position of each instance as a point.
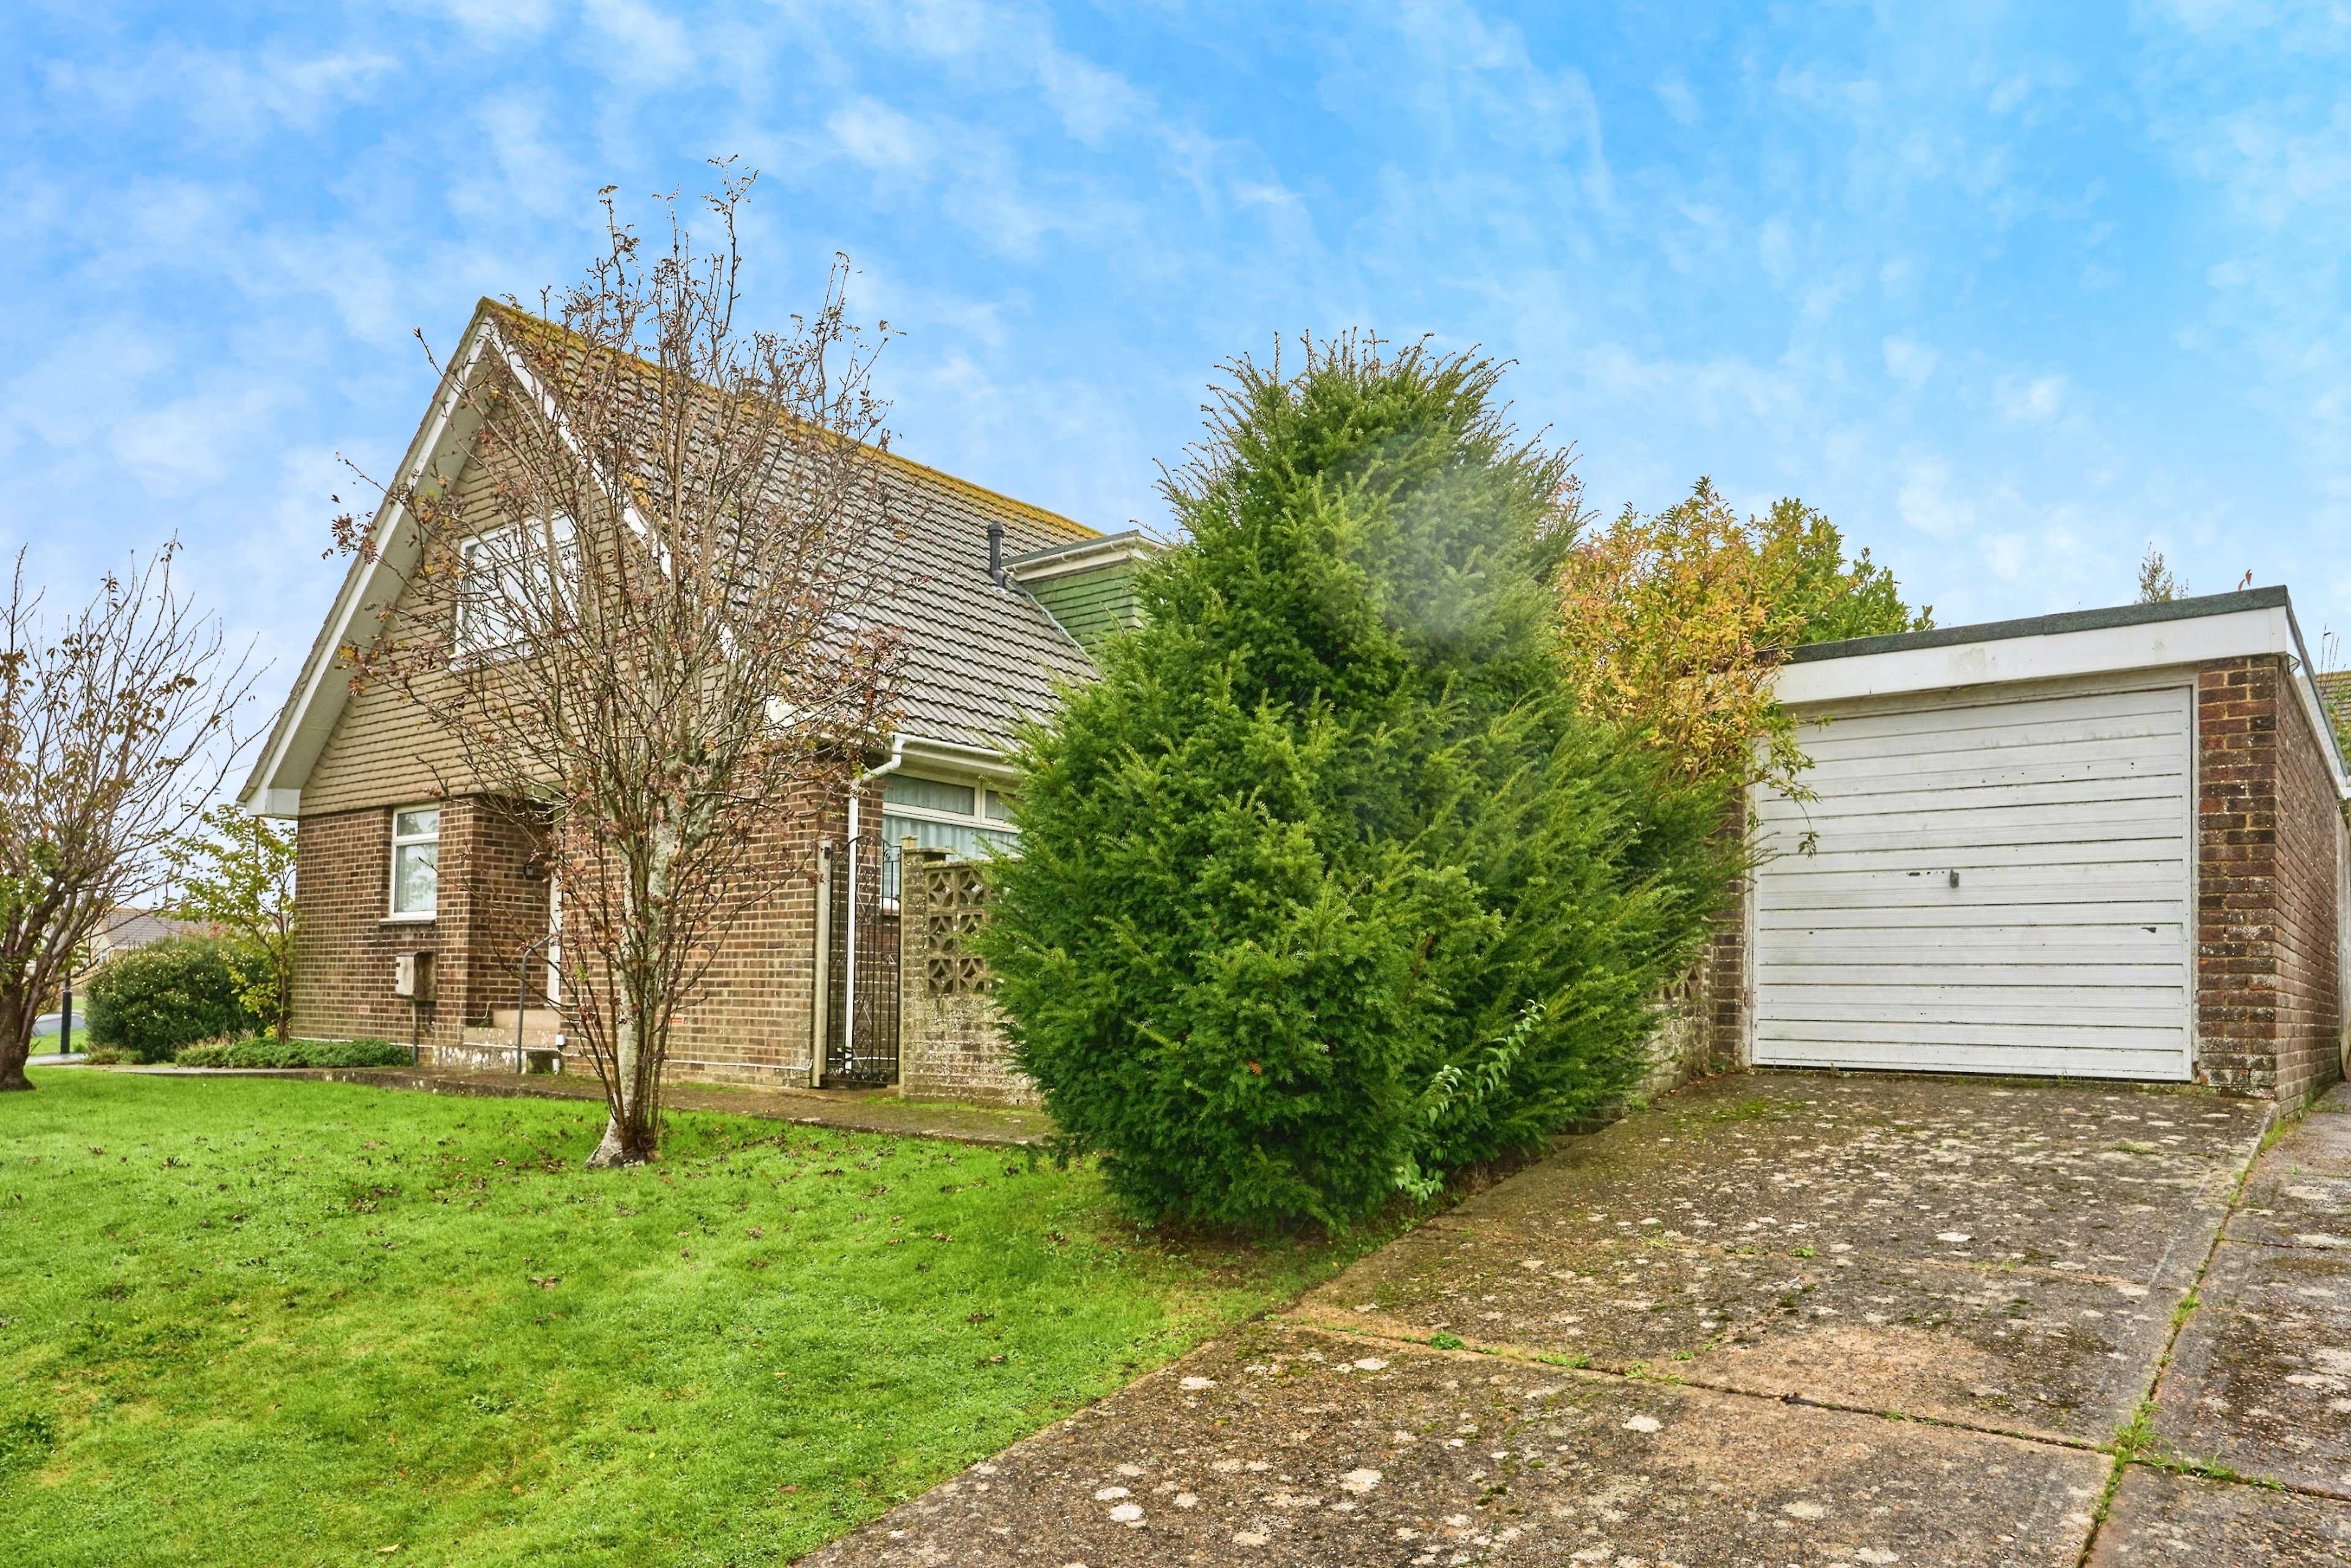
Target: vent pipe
(995, 552)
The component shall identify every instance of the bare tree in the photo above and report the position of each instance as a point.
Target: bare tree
(650, 625)
(116, 725)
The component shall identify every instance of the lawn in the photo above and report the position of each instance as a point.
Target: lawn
(263, 1322)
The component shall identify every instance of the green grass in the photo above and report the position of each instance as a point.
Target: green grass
(263, 1322)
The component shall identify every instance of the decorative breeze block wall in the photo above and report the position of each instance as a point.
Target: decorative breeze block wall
(951, 1042)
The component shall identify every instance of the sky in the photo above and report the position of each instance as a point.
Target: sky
(2009, 292)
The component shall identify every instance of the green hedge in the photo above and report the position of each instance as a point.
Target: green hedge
(262, 1051)
(155, 1001)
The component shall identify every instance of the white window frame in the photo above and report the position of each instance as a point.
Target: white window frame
(1001, 829)
(476, 643)
(400, 842)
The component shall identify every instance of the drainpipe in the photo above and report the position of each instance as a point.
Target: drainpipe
(856, 800)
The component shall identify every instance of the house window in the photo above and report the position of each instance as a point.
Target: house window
(415, 862)
(967, 820)
(508, 596)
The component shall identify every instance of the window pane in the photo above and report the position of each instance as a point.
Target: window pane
(930, 795)
(964, 843)
(999, 806)
(425, 824)
(416, 878)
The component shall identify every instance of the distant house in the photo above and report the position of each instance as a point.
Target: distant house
(127, 929)
(1004, 601)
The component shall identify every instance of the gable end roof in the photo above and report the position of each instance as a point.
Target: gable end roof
(979, 657)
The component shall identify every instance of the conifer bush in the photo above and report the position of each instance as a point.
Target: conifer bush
(1325, 888)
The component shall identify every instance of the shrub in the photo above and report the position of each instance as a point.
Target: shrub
(1326, 887)
(262, 1051)
(155, 1000)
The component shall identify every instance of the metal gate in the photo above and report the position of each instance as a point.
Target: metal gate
(862, 1026)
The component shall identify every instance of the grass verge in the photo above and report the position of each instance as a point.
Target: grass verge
(266, 1321)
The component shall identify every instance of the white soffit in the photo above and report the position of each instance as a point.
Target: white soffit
(1956, 662)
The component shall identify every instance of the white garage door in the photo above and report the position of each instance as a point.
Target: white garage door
(1997, 886)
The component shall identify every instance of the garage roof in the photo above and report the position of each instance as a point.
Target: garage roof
(2126, 639)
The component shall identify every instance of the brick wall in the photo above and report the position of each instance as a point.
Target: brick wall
(1724, 991)
(343, 957)
(951, 1041)
(749, 1024)
(2269, 1018)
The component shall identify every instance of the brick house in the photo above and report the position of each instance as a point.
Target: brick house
(427, 912)
(2106, 844)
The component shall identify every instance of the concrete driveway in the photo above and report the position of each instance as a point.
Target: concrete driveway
(1778, 1319)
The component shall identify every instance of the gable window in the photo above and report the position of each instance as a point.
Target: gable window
(967, 820)
(508, 593)
(415, 862)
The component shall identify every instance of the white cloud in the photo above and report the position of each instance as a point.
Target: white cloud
(641, 46)
(1680, 100)
(2033, 401)
(1927, 502)
(880, 137)
(1907, 360)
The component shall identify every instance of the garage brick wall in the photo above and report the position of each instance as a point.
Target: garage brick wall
(2269, 1016)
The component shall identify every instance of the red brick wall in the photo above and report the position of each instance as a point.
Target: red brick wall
(751, 1020)
(2269, 1019)
(749, 1024)
(2309, 999)
(344, 954)
(1723, 990)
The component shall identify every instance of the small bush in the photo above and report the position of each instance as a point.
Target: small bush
(262, 1051)
(157, 1000)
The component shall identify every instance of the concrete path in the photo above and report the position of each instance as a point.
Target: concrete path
(2254, 1410)
(1779, 1319)
(854, 1110)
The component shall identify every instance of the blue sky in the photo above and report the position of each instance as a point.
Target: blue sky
(2008, 292)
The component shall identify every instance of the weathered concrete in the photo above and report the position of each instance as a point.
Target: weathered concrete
(1283, 1443)
(2001, 1255)
(2260, 1383)
(1695, 1327)
(2185, 1521)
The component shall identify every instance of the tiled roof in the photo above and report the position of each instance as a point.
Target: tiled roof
(2334, 686)
(979, 656)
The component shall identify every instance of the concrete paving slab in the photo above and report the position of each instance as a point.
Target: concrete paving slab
(1287, 1445)
(1970, 1250)
(2092, 1179)
(2292, 1205)
(2185, 1521)
(2026, 1349)
(2260, 1379)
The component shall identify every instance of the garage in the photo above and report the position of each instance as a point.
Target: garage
(1996, 884)
(2106, 844)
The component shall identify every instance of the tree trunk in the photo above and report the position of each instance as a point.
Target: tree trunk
(16, 1039)
(626, 1136)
